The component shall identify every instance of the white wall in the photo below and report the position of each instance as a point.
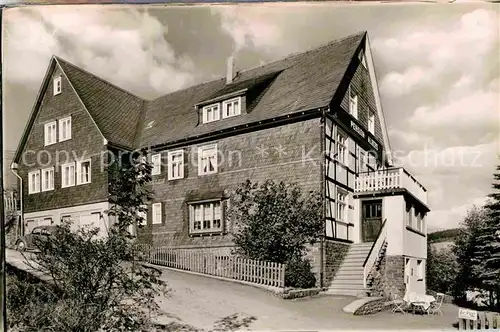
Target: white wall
(393, 211)
(414, 282)
(415, 245)
(90, 214)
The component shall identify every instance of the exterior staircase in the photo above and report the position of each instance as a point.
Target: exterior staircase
(349, 277)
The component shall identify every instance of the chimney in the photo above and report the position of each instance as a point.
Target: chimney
(230, 73)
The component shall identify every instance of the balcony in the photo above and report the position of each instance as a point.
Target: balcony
(390, 180)
(11, 203)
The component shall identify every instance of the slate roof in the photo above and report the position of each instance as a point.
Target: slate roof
(304, 81)
(116, 112)
(297, 83)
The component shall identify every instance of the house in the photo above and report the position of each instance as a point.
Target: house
(312, 118)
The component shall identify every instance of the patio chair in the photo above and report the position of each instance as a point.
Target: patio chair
(436, 305)
(399, 305)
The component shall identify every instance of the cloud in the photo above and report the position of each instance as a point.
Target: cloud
(248, 27)
(420, 57)
(460, 159)
(452, 217)
(126, 47)
(476, 111)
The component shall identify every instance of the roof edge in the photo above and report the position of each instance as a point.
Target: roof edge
(34, 110)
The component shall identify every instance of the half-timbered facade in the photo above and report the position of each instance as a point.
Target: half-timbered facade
(313, 118)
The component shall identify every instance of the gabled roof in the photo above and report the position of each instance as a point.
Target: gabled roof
(303, 82)
(298, 83)
(116, 112)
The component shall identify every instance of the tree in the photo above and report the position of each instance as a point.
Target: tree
(466, 248)
(101, 285)
(442, 269)
(488, 267)
(274, 222)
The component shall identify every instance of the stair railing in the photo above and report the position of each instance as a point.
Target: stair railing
(374, 253)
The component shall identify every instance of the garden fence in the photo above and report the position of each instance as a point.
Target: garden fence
(216, 264)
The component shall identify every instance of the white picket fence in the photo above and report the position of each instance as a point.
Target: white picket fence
(221, 265)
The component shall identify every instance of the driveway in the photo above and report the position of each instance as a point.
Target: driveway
(200, 301)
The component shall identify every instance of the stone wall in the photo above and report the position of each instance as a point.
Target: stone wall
(333, 256)
(388, 278)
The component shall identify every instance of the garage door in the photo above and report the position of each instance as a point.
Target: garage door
(94, 220)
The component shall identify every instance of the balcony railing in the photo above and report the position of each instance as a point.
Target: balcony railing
(391, 178)
(11, 202)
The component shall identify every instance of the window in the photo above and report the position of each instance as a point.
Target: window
(231, 107)
(362, 58)
(64, 129)
(205, 217)
(341, 205)
(211, 113)
(83, 172)
(420, 269)
(33, 182)
(207, 159)
(373, 210)
(142, 215)
(156, 161)
(57, 85)
(48, 179)
(176, 165)
(157, 213)
(67, 175)
(408, 215)
(371, 122)
(66, 218)
(341, 148)
(50, 133)
(353, 103)
(407, 270)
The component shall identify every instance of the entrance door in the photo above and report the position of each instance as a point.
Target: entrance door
(371, 220)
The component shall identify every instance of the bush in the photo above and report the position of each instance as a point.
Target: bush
(442, 270)
(298, 274)
(274, 221)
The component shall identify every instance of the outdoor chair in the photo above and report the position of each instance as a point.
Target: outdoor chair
(436, 306)
(399, 305)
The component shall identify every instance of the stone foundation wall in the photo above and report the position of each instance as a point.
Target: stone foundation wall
(333, 256)
(388, 278)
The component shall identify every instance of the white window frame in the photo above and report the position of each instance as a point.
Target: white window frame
(63, 173)
(34, 183)
(341, 148)
(180, 165)
(341, 205)
(353, 103)
(65, 121)
(156, 213)
(57, 85)
(45, 171)
(156, 162)
(215, 108)
(236, 110)
(371, 122)
(362, 58)
(212, 221)
(420, 269)
(201, 149)
(79, 172)
(407, 269)
(52, 139)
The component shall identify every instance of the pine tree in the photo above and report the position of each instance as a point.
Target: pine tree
(489, 249)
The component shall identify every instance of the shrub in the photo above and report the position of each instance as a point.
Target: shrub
(298, 274)
(274, 221)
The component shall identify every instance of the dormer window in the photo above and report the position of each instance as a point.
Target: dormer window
(57, 85)
(211, 113)
(362, 58)
(231, 107)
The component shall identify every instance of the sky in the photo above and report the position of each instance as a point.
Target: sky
(437, 68)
